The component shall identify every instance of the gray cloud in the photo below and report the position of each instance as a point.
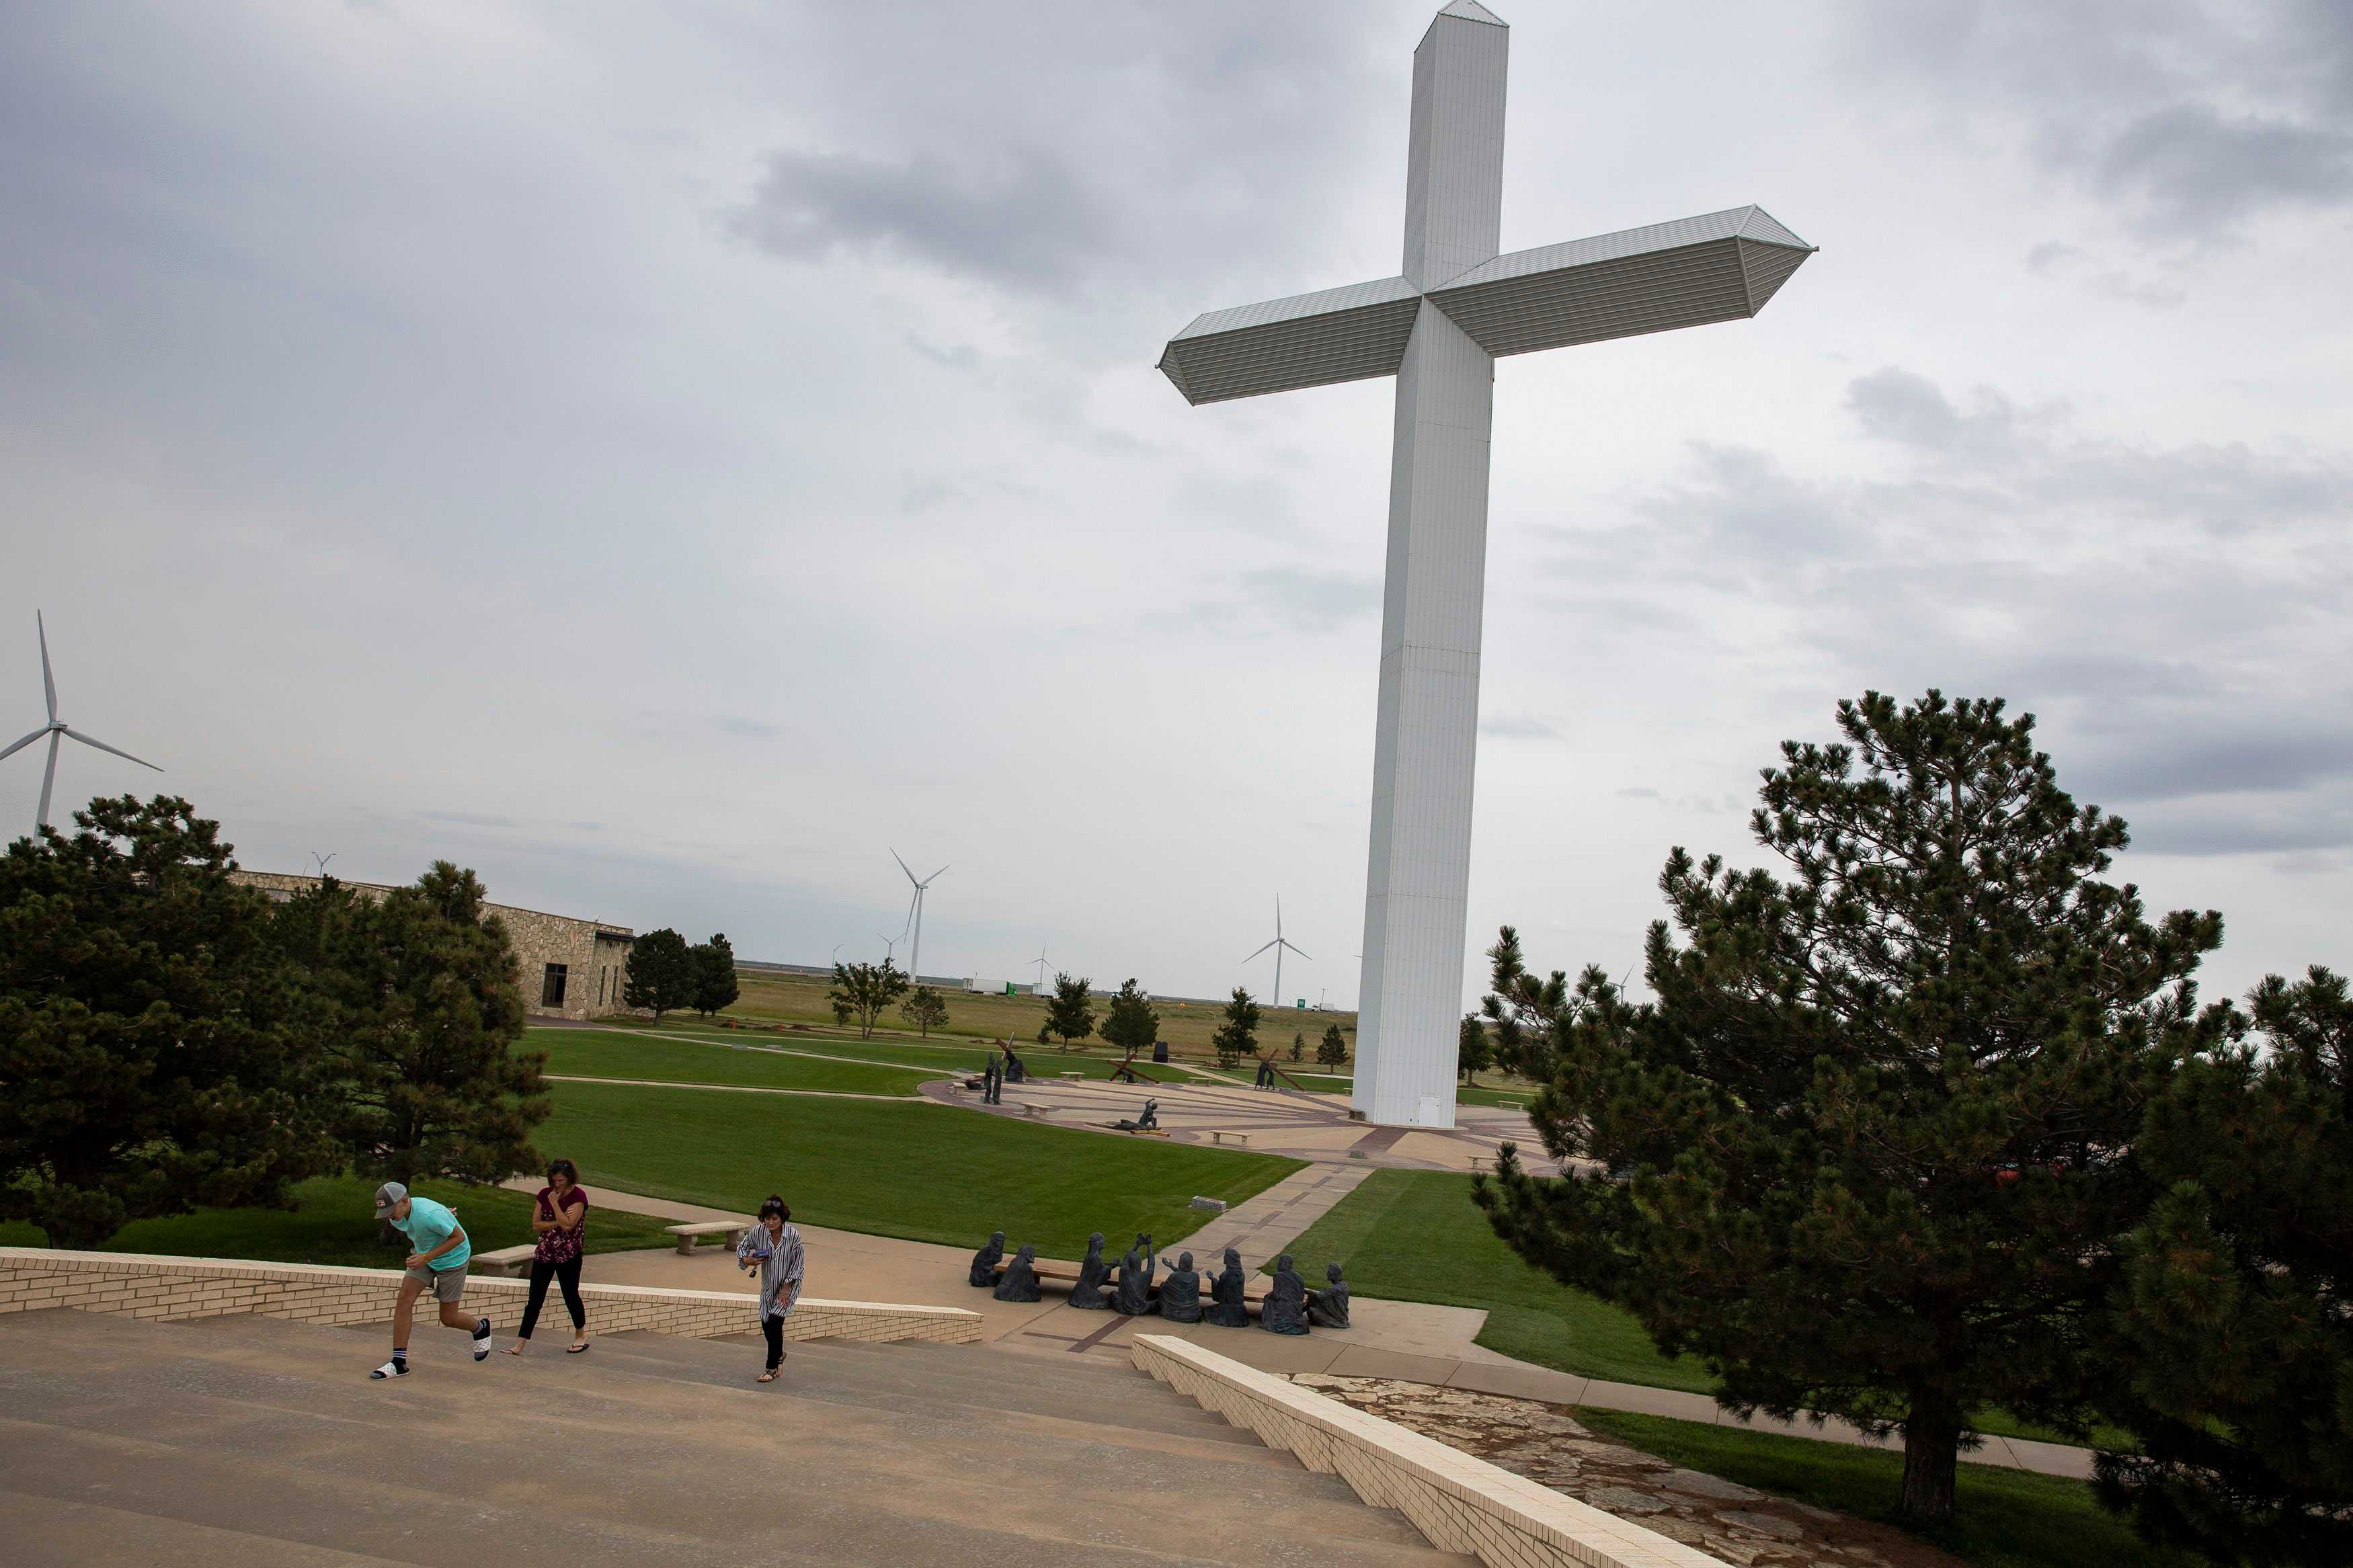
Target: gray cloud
(1309, 598)
(2190, 120)
(1989, 562)
(1518, 727)
(1024, 219)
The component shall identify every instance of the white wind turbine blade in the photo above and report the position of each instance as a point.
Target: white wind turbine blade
(902, 866)
(48, 683)
(102, 746)
(935, 876)
(1262, 950)
(26, 741)
(1293, 947)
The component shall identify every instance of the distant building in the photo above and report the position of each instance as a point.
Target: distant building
(568, 968)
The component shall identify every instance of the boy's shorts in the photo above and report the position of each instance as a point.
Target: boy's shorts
(446, 1284)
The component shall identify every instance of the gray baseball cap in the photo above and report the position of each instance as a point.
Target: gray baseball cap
(387, 1195)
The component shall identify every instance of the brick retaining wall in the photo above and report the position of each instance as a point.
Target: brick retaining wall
(170, 1288)
(1457, 1502)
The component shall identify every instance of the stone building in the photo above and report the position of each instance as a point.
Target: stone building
(568, 968)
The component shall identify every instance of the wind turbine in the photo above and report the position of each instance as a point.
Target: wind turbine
(1279, 944)
(915, 913)
(1041, 960)
(57, 729)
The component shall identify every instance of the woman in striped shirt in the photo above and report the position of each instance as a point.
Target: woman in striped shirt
(773, 1251)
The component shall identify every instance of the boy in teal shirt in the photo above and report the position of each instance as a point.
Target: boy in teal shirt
(436, 1263)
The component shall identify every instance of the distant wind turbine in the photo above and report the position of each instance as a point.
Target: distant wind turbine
(1040, 961)
(57, 729)
(916, 914)
(1279, 943)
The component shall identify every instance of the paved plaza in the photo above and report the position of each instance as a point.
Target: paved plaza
(1287, 1122)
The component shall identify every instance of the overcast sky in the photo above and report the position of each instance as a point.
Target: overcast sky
(664, 457)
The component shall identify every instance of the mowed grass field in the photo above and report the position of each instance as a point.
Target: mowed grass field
(923, 1171)
(334, 1222)
(770, 998)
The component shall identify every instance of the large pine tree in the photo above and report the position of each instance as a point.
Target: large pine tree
(2235, 1327)
(156, 1050)
(1869, 1151)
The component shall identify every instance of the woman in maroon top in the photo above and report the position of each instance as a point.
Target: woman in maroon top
(560, 1220)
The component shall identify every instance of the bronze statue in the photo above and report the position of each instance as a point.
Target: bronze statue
(1229, 1294)
(1284, 1310)
(1181, 1292)
(1134, 1296)
(1020, 1281)
(1088, 1293)
(984, 1261)
(1328, 1308)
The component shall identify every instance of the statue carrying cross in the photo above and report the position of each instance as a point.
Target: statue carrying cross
(1439, 327)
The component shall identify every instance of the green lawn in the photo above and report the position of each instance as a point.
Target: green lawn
(919, 1171)
(606, 1053)
(2002, 1519)
(935, 1058)
(334, 1221)
(1414, 1236)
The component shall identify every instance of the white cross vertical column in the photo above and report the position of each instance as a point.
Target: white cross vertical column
(1425, 739)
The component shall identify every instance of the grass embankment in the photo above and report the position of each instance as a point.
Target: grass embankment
(918, 1171)
(334, 1222)
(2002, 1519)
(1415, 1236)
(703, 1059)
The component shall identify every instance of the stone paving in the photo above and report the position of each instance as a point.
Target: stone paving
(1546, 1443)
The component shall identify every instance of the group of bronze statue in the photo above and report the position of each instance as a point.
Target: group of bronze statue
(996, 1073)
(1289, 1307)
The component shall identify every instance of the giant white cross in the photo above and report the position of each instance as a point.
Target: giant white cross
(1438, 327)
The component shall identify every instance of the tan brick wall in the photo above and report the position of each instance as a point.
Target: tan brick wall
(168, 1289)
(594, 953)
(1460, 1503)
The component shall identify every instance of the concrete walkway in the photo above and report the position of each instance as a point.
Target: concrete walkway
(1410, 1341)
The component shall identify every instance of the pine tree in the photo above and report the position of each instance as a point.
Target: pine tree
(1471, 1051)
(661, 973)
(861, 991)
(1298, 1046)
(715, 986)
(1332, 1050)
(156, 1051)
(1130, 1023)
(2235, 1343)
(427, 1013)
(925, 1008)
(1071, 1013)
(1238, 1037)
(1871, 1149)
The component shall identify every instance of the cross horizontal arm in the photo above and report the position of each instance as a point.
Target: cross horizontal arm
(1309, 339)
(1718, 267)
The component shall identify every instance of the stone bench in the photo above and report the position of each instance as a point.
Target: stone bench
(507, 1262)
(1074, 1077)
(734, 1230)
(1219, 1137)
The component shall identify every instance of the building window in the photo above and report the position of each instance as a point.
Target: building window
(551, 990)
(601, 973)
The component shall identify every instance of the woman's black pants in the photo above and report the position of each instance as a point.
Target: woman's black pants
(774, 1329)
(567, 1274)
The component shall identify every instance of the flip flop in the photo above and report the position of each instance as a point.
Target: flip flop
(574, 1349)
(766, 1377)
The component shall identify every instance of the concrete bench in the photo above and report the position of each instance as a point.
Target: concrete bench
(1075, 1077)
(510, 1262)
(1241, 1138)
(733, 1230)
